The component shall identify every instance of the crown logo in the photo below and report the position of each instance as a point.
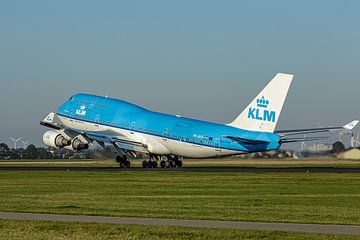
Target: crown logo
(82, 107)
(262, 102)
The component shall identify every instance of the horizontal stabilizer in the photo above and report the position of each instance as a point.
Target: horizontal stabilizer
(305, 139)
(351, 125)
(246, 140)
(348, 126)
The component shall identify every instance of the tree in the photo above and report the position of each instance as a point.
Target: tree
(30, 152)
(4, 151)
(43, 153)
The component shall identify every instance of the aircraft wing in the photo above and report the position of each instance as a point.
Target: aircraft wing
(48, 121)
(303, 139)
(348, 126)
(119, 142)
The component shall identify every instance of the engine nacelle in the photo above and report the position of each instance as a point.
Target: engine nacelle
(55, 139)
(77, 144)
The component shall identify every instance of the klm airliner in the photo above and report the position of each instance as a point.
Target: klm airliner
(131, 129)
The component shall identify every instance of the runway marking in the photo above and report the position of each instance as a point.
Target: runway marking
(192, 169)
(352, 230)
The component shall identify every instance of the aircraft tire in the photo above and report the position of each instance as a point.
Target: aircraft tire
(179, 164)
(154, 164)
(162, 164)
(144, 164)
(118, 159)
(127, 164)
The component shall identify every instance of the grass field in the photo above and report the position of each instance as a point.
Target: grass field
(301, 198)
(326, 162)
(56, 230)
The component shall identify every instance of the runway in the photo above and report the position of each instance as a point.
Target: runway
(285, 227)
(190, 169)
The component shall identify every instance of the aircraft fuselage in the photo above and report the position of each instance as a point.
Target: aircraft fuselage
(162, 134)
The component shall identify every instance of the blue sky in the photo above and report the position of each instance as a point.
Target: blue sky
(202, 59)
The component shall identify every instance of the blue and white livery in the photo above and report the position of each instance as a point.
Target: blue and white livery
(87, 118)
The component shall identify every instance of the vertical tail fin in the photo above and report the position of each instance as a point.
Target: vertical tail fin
(263, 112)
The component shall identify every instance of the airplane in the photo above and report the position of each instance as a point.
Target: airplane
(87, 118)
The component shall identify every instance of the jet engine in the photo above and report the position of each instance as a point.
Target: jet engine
(77, 144)
(55, 139)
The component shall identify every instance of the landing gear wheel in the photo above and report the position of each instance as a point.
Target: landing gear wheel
(169, 164)
(162, 164)
(179, 164)
(119, 159)
(154, 164)
(144, 164)
(127, 164)
(123, 162)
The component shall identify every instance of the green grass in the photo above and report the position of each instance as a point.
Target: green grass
(317, 162)
(300, 198)
(57, 230)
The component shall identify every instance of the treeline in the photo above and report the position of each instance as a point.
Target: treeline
(33, 152)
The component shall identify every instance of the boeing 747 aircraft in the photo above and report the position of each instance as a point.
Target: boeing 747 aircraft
(87, 118)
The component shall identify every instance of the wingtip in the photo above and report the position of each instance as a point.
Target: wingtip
(49, 118)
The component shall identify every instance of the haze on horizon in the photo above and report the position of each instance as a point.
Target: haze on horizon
(200, 59)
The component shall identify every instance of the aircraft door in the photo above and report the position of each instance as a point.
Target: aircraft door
(133, 125)
(97, 120)
(217, 144)
(166, 132)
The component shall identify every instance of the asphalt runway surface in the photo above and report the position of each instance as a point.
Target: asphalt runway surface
(191, 169)
(214, 224)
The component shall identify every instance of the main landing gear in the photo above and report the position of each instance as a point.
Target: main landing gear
(122, 160)
(170, 162)
(165, 162)
(151, 163)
